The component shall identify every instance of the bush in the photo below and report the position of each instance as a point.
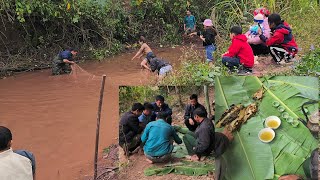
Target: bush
(192, 71)
(309, 64)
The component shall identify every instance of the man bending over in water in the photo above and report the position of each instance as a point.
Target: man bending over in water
(61, 63)
(144, 49)
(162, 66)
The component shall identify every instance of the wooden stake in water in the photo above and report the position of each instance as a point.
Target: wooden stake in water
(98, 127)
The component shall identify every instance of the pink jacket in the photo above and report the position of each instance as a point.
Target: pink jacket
(255, 39)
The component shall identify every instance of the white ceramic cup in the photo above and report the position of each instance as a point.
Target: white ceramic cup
(266, 130)
(272, 118)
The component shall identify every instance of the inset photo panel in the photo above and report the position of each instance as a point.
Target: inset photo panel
(167, 132)
(275, 123)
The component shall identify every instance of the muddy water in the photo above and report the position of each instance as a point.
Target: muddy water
(55, 117)
(123, 71)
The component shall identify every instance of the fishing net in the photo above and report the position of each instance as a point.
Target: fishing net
(79, 73)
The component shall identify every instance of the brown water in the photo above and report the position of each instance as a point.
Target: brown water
(55, 117)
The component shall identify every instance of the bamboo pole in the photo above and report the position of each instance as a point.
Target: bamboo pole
(98, 127)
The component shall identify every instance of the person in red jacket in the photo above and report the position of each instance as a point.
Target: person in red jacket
(239, 52)
(281, 43)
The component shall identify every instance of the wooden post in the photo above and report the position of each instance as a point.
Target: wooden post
(206, 95)
(98, 127)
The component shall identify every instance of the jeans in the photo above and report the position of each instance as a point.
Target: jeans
(209, 52)
(160, 159)
(231, 62)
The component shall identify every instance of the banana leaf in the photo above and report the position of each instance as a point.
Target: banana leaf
(154, 170)
(179, 151)
(291, 146)
(184, 168)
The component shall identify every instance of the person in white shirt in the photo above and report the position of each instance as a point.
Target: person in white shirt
(12, 165)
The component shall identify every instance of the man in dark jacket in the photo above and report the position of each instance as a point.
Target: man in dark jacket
(129, 129)
(161, 106)
(188, 115)
(61, 63)
(205, 140)
(161, 65)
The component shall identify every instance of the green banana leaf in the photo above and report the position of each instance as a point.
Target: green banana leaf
(179, 151)
(291, 146)
(160, 171)
(184, 168)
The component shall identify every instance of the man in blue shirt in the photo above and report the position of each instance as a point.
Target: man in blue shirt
(61, 63)
(158, 139)
(189, 23)
(147, 115)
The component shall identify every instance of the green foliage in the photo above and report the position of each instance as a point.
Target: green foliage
(104, 52)
(132, 94)
(106, 150)
(193, 71)
(309, 64)
(164, 19)
(74, 23)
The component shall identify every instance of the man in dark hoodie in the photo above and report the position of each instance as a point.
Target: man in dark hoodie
(129, 129)
(281, 43)
(161, 65)
(161, 106)
(239, 52)
(205, 140)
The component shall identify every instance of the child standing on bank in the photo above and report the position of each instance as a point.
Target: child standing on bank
(208, 38)
(239, 52)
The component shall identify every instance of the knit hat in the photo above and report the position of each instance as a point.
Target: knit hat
(207, 22)
(258, 18)
(263, 11)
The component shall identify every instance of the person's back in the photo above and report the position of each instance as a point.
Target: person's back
(205, 137)
(157, 63)
(14, 166)
(241, 48)
(209, 35)
(128, 127)
(158, 138)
